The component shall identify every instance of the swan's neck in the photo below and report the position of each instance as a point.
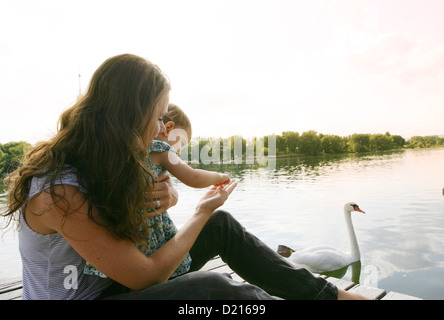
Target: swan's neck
(356, 255)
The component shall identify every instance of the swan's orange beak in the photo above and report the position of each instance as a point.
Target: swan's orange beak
(358, 209)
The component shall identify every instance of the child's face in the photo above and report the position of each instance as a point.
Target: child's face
(176, 137)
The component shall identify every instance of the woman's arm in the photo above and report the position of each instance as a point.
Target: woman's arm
(195, 178)
(119, 259)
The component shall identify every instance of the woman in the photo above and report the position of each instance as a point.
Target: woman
(81, 196)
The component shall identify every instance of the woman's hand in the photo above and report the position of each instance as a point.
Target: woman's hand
(215, 197)
(164, 196)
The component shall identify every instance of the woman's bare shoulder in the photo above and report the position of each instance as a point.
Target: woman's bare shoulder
(45, 211)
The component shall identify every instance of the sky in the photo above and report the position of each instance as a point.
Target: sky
(241, 67)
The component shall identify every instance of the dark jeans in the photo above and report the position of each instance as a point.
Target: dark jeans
(268, 275)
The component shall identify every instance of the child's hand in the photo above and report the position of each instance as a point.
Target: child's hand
(224, 180)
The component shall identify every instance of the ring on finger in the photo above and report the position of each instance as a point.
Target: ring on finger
(157, 204)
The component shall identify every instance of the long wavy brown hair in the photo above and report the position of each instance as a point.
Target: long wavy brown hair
(103, 138)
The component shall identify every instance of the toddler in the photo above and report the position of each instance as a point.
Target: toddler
(163, 156)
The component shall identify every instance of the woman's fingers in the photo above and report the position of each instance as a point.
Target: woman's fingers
(216, 196)
(163, 176)
(156, 207)
(230, 186)
(162, 197)
(164, 189)
(150, 208)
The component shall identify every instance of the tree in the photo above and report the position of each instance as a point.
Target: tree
(11, 154)
(380, 142)
(2, 160)
(398, 141)
(332, 144)
(291, 139)
(310, 143)
(281, 145)
(359, 142)
(425, 142)
(238, 147)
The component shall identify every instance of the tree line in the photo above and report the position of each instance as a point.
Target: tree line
(312, 143)
(288, 143)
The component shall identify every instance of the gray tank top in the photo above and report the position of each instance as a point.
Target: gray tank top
(52, 269)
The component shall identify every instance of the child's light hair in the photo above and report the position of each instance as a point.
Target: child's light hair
(178, 116)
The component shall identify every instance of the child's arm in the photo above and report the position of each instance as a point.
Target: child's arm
(195, 178)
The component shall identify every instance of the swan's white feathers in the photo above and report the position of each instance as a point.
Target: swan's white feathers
(320, 259)
(323, 258)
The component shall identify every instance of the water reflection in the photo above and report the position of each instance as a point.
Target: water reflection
(340, 273)
(304, 167)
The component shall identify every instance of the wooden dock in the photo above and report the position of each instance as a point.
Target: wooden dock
(218, 265)
(12, 289)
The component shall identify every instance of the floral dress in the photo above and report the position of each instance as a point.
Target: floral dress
(162, 228)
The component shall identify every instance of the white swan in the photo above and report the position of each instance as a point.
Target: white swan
(320, 259)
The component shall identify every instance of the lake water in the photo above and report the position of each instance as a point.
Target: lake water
(299, 203)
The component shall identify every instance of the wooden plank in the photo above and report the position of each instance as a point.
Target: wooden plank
(236, 277)
(224, 269)
(217, 266)
(213, 264)
(12, 295)
(11, 289)
(11, 284)
(369, 292)
(398, 296)
(341, 283)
